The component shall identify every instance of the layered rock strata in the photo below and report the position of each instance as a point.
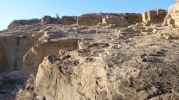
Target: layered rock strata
(103, 57)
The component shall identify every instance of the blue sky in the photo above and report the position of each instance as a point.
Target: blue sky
(27, 9)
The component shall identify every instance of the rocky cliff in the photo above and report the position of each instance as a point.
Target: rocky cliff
(14, 48)
(106, 68)
(99, 56)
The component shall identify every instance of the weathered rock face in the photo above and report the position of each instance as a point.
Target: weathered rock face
(132, 62)
(13, 49)
(36, 54)
(68, 20)
(172, 17)
(2, 58)
(51, 35)
(108, 18)
(154, 16)
(118, 76)
(16, 23)
(90, 19)
(74, 80)
(50, 20)
(117, 20)
(121, 19)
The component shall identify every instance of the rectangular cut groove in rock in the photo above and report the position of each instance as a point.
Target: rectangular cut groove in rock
(13, 49)
(35, 55)
(66, 43)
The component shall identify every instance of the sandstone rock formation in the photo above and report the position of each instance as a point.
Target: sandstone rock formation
(106, 67)
(50, 20)
(79, 81)
(13, 49)
(90, 19)
(100, 56)
(118, 20)
(172, 17)
(108, 18)
(16, 23)
(36, 54)
(121, 19)
(51, 35)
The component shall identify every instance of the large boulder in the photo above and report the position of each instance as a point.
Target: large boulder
(67, 78)
(172, 17)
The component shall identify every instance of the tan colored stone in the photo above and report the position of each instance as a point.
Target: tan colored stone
(117, 63)
(36, 54)
(103, 19)
(14, 48)
(90, 19)
(168, 20)
(172, 17)
(118, 20)
(16, 23)
(83, 82)
(50, 20)
(155, 30)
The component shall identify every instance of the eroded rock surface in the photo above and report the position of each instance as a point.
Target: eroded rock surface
(36, 54)
(172, 17)
(90, 19)
(50, 20)
(111, 64)
(91, 57)
(16, 23)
